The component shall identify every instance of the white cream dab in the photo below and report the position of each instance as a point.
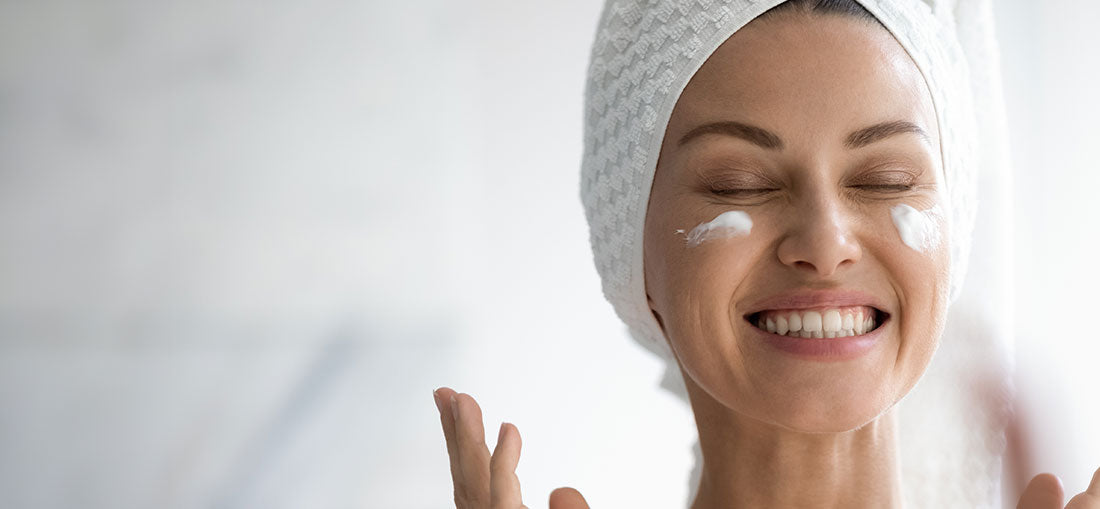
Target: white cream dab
(728, 224)
(919, 229)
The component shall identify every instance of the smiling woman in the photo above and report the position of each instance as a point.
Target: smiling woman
(837, 140)
(781, 199)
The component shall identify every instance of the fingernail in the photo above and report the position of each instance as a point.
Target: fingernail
(454, 407)
(438, 404)
(500, 435)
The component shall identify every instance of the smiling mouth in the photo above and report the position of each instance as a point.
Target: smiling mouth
(827, 322)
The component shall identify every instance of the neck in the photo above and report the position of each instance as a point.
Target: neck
(750, 463)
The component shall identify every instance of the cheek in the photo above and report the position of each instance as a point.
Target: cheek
(702, 274)
(712, 257)
(920, 244)
(918, 255)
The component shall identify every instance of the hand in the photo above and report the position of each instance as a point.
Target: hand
(1045, 492)
(483, 481)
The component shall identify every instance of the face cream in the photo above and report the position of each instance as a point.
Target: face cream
(919, 229)
(728, 224)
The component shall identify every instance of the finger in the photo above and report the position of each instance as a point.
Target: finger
(503, 482)
(443, 397)
(1084, 500)
(1043, 492)
(472, 451)
(1090, 499)
(567, 498)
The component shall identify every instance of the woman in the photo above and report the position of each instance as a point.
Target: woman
(809, 172)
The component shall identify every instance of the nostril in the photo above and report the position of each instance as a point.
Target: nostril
(804, 264)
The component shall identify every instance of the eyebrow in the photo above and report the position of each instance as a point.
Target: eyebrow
(766, 139)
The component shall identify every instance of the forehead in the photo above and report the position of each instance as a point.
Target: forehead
(806, 77)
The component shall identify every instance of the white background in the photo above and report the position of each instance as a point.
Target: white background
(240, 243)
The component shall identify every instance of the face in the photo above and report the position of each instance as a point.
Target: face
(787, 101)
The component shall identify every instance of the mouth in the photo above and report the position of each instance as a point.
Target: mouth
(819, 323)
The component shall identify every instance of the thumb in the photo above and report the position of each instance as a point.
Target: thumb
(568, 498)
(1043, 492)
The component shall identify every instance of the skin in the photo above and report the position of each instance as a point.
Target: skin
(777, 430)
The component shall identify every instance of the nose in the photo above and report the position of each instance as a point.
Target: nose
(820, 239)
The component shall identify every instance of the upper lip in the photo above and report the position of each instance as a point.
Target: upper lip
(809, 299)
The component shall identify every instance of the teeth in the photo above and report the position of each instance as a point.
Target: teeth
(825, 323)
(811, 321)
(831, 321)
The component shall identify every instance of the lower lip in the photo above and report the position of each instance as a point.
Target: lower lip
(823, 349)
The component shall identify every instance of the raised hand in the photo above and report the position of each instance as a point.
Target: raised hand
(483, 480)
(1045, 492)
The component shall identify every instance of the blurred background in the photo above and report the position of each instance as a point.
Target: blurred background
(241, 242)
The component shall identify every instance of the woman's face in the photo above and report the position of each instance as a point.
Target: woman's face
(791, 95)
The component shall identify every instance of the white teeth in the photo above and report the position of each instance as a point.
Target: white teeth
(811, 321)
(831, 322)
(825, 323)
(795, 322)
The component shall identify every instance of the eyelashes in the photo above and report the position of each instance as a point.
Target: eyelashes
(740, 184)
(887, 188)
(886, 181)
(741, 193)
(878, 183)
(759, 192)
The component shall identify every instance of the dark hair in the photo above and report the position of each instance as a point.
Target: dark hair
(838, 7)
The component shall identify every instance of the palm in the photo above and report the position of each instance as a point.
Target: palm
(483, 480)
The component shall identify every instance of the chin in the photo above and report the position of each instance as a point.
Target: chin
(827, 415)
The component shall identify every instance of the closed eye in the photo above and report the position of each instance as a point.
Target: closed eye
(741, 193)
(887, 188)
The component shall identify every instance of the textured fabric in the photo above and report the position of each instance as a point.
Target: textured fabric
(644, 54)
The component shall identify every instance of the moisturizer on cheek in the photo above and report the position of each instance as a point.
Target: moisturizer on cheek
(919, 229)
(728, 224)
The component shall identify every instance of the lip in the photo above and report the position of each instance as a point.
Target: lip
(823, 349)
(811, 299)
